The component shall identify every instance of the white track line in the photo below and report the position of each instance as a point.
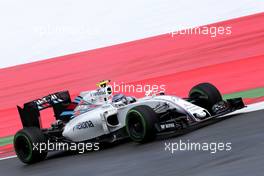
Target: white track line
(9, 157)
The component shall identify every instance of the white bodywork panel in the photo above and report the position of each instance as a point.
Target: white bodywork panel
(93, 123)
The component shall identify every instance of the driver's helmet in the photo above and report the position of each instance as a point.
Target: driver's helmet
(119, 98)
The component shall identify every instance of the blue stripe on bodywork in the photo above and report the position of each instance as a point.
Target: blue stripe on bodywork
(77, 99)
(67, 113)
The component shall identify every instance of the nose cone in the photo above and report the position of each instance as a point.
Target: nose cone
(201, 114)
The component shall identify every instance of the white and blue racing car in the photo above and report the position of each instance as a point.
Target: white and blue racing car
(99, 116)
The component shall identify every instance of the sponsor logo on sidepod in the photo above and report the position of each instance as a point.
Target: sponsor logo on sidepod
(83, 125)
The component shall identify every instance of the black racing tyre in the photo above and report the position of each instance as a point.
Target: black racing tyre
(140, 124)
(24, 148)
(207, 95)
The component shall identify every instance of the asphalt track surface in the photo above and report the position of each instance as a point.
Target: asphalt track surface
(244, 131)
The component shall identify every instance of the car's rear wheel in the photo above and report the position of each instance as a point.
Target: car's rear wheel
(24, 142)
(205, 95)
(140, 124)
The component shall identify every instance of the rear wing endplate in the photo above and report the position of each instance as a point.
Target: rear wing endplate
(30, 113)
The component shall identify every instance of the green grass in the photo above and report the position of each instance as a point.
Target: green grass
(6, 140)
(253, 93)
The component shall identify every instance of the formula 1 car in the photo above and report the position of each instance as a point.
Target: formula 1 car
(99, 116)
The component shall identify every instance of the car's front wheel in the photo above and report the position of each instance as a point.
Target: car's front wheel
(140, 124)
(205, 95)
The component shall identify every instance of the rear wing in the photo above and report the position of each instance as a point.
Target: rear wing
(30, 113)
